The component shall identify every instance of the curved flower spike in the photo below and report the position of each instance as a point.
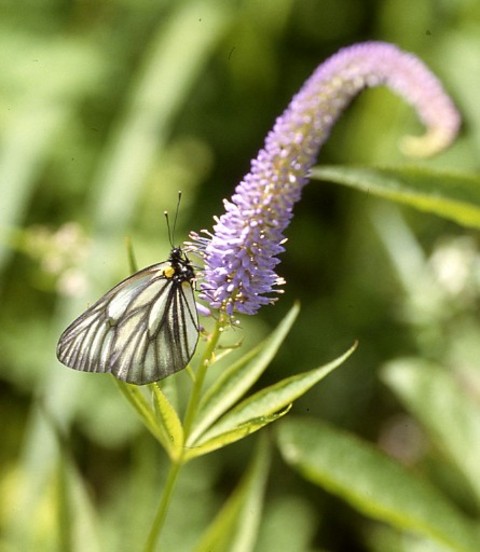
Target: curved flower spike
(241, 254)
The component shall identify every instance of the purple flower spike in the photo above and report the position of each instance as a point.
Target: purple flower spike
(242, 253)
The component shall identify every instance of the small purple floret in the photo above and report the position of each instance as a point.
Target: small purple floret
(242, 253)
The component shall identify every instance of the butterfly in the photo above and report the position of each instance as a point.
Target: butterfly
(142, 330)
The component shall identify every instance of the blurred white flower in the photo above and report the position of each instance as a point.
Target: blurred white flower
(61, 254)
(455, 265)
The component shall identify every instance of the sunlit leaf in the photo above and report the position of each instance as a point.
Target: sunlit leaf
(168, 418)
(448, 412)
(230, 436)
(240, 377)
(372, 483)
(271, 399)
(136, 398)
(454, 196)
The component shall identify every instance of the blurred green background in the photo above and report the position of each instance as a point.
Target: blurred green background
(108, 108)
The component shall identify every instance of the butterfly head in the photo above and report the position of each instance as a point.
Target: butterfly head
(177, 255)
(180, 267)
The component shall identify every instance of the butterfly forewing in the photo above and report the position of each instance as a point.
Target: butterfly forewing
(142, 330)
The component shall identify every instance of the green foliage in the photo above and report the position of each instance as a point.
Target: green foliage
(107, 109)
(221, 421)
(373, 483)
(236, 526)
(452, 196)
(236, 380)
(219, 425)
(263, 407)
(445, 408)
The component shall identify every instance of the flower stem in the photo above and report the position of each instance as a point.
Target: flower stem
(174, 470)
(163, 507)
(200, 377)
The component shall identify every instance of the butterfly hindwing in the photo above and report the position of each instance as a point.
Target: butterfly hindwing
(142, 330)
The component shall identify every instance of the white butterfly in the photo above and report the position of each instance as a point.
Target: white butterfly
(142, 330)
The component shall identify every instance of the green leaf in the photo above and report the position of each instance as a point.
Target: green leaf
(136, 398)
(232, 435)
(235, 529)
(290, 523)
(271, 399)
(240, 377)
(449, 414)
(454, 196)
(78, 521)
(168, 418)
(373, 483)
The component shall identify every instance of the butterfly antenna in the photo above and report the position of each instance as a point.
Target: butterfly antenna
(171, 229)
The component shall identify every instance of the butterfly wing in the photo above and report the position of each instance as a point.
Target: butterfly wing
(141, 331)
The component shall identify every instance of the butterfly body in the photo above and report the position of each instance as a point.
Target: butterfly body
(142, 330)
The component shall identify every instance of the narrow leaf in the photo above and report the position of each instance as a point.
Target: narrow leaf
(235, 529)
(84, 518)
(240, 377)
(236, 434)
(77, 520)
(448, 412)
(373, 483)
(168, 418)
(272, 399)
(454, 196)
(144, 410)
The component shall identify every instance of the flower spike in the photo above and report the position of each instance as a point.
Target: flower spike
(241, 254)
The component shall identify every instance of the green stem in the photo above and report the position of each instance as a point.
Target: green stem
(163, 507)
(200, 378)
(189, 418)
